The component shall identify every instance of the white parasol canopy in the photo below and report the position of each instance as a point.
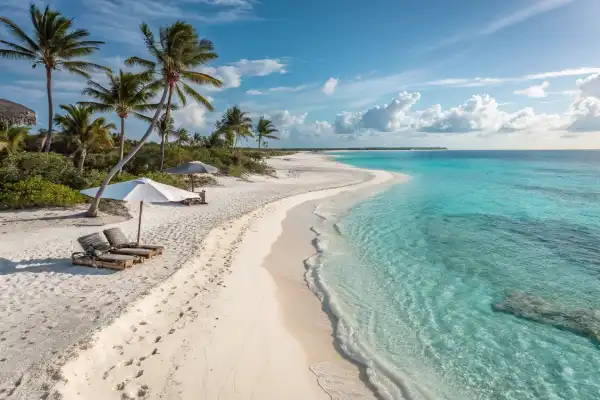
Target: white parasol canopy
(141, 189)
(193, 167)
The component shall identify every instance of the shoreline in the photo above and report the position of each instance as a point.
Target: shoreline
(222, 301)
(305, 309)
(49, 309)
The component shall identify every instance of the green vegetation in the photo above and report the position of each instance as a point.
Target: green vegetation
(126, 94)
(85, 134)
(84, 152)
(38, 192)
(55, 45)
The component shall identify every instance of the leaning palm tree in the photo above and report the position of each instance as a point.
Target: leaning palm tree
(84, 132)
(265, 130)
(12, 137)
(126, 93)
(176, 68)
(54, 45)
(234, 125)
(178, 52)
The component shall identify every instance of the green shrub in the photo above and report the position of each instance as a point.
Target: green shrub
(38, 192)
(50, 166)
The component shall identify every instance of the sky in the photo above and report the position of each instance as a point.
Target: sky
(464, 74)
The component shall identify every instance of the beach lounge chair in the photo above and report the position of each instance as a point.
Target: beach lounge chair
(105, 260)
(96, 245)
(117, 239)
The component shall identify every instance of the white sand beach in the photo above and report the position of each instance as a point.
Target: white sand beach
(224, 313)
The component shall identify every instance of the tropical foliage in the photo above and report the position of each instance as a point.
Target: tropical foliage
(126, 94)
(83, 132)
(265, 129)
(83, 152)
(235, 125)
(13, 137)
(55, 45)
(174, 57)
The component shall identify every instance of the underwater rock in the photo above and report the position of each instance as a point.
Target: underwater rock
(584, 322)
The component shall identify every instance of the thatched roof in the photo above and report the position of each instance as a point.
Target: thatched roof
(15, 114)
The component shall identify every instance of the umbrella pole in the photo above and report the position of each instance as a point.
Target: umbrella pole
(192, 179)
(140, 222)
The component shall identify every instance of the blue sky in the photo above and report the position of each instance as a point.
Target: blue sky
(456, 73)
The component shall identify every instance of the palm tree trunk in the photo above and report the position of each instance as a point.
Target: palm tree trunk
(93, 210)
(259, 141)
(50, 109)
(167, 118)
(122, 140)
(82, 158)
(162, 151)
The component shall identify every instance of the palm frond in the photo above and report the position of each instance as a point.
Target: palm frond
(197, 96)
(16, 47)
(16, 55)
(180, 95)
(84, 65)
(137, 61)
(20, 34)
(201, 79)
(77, 71)
(97, 107)
(142, 117)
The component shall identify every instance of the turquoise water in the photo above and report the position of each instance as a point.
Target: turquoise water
(414, 273)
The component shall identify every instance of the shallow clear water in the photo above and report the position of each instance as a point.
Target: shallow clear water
(416, 270)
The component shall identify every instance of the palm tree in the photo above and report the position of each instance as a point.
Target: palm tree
(54, 45)
(182, 136)
(234, 125)
(165, 129)
(214, 140)
(175, 55)
(176, 65)
(77, 125)
(265, 129)
(197, 139)
(12, 137)
(126, 93)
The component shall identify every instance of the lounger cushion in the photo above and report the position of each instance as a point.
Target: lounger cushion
(115, 257)
(93, 242)
(117, 238)
(133, 251)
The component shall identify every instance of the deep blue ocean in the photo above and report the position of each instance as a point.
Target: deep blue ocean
(412, 274)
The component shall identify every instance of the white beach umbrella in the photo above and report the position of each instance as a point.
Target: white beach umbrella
(141, 189)
(193, 167)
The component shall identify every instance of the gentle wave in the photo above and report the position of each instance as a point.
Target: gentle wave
(387, 381)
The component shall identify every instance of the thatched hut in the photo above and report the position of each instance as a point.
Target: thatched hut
(15, 114)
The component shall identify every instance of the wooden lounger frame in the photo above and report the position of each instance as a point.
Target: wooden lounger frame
(87, 261)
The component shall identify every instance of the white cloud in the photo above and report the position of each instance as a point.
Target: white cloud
(329, 86)
(231, 75)
(278, 89)
(478, 81)
(193, 115)
(535, 91)
(260, 67)
(481, 113)
(283, 118)
(531, 10)
(590, 86)
(585, 115)
(254, 92)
